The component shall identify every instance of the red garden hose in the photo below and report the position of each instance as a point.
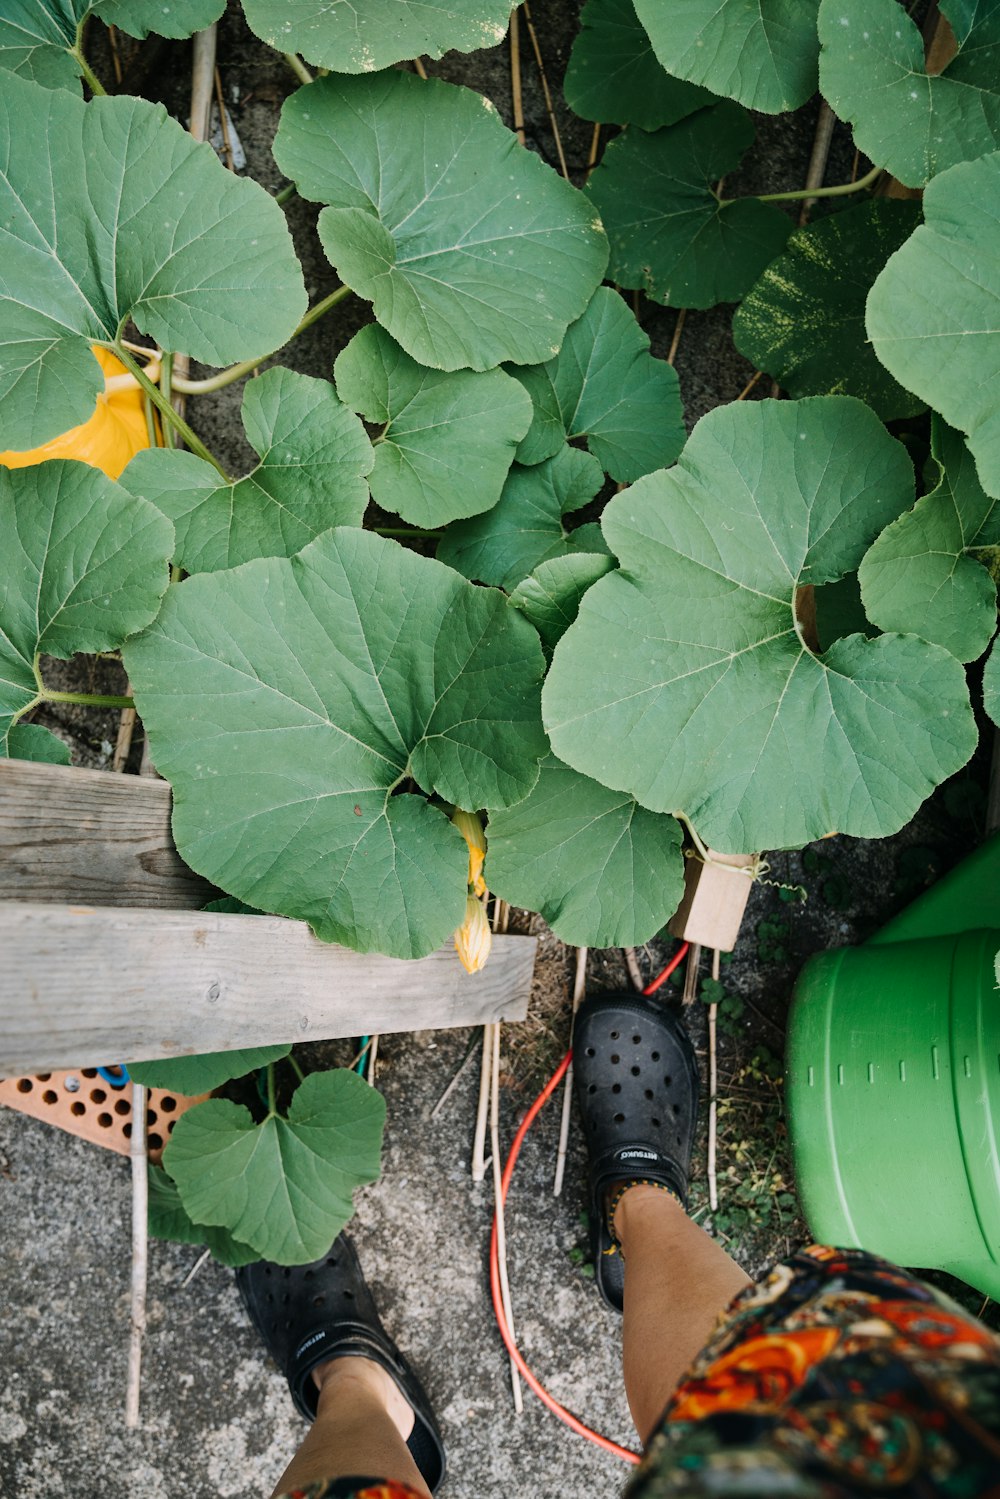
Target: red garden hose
(567, 1417)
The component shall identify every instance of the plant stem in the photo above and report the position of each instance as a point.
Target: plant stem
(165, 408)
(285, 194)
(868, 180)
(298, 1069)
(90, 77)
(86, 699)
(272, 1104)
(298, 67)
(247, 366)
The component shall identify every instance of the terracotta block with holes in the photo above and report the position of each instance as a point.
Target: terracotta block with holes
(82, 1103)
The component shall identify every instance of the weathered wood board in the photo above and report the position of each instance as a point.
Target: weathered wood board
(86, 835)
(83, 986)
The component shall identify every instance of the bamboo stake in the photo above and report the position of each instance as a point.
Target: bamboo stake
(691, 974)
(579, 984)
(516, 98)
(545, 89)
(634, 971)
(482, 1108)
(825, 122)
(713, 1078)
(678, 330)
(140, 1246)
(515, 1378)
(372, 1058)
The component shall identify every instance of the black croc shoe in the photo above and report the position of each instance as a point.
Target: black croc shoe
(307, 1314)
(636, 1080)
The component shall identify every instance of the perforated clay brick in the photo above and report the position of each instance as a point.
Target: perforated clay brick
(83, 1103)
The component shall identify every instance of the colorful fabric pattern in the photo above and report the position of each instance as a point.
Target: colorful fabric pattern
(353, 1488)
(838, 1375)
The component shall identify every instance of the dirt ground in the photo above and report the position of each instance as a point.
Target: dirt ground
(216, 1418)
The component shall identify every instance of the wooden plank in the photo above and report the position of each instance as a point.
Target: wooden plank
(68, 834)
(85, 986)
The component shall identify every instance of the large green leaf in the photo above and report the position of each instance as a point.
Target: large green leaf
(84, 565)
(285, 1187)
(168, 1220)
(614, 76)
(761, 52)
(30, 741)
(449, 437)
(670, 233)
(604, 386)
(313, 458)
(550, 596)
(915, 125)
(685, 681)
(602, 870)
(110, 211)
(991, 686)
(918, 577)
(202, 1074)
(934, 311)
(348, 37)
(471, 249)
(526, 526)
(287, 700)
(38, 38)
(804, 321)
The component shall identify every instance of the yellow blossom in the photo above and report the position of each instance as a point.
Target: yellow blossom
(474, 939)
(471, 829)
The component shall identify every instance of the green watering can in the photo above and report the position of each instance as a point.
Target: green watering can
(893, 1083)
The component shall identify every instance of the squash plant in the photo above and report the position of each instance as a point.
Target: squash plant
(600, 676)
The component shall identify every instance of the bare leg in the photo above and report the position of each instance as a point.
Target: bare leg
(360, 1430)
(677, 1282)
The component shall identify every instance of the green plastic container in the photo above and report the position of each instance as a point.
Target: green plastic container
(893, 1084)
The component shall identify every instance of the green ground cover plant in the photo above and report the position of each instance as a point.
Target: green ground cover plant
(603, 677)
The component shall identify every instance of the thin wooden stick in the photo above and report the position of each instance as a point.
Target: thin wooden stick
(372, 1058)
(126, 728)
(579, 985)
(634, 971)
(227, 144)
(419, 69)
(595, 145)
(189, 1277)
(825, 122)
(435, 1111)
(482, 1108)
(116, 61)
(713, 1079)
(516, 98)
(515, 1378)
(140, 1246)
(678, 330)
(691, 974)
(545, 90)
(748, 387)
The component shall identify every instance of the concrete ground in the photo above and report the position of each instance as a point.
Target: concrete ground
(216, 1419)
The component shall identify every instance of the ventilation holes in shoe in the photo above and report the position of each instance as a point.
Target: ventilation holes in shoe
(615, 1035)
(655, 1055)
(655, 1123)
(615, 1058)
(592, 1088)
(616, 1087)
(318, 1300)
(636, 1040)
(619, 1118)
(648, 1094)
(676, 1107)
(667, 1080)
(591, 1052)
(635, 1071)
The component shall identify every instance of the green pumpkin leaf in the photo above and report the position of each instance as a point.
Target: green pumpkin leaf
(685, 681)
(313, 457)
(804, 321)
(471, 249)
(30, 741)
(670, 235)
(933, 312)
(110, 212)
(613, 74)
(526, 526)
(991, 685)
(605, 387)
(918, 577)
(449, 438)
(762, 53)
(203, 1074)
(599, 868)
(84, 565)
(285, 1187)
(38, 39)
(168, 1220)
(286, 700)
(915, 125)
(550, 596)
(348, 37)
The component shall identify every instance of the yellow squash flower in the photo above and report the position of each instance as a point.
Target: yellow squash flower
(471, 829)
(110, 438)
(474, 939)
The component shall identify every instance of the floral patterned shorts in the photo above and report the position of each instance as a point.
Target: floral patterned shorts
(839, 1374)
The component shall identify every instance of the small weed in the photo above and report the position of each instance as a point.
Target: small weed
(772, 940)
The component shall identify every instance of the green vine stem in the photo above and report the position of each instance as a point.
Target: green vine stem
(840, 191)
(298, 67)
(165, 408)
(272, 1100)
(247, 366)
(285, 194)
(85, 699)
(298, 1069)
(407, 531)
(90, 77)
